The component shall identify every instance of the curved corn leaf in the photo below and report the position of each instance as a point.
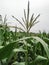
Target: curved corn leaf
(40, 58)
(18, 63)
(19, 50)
(44, 44)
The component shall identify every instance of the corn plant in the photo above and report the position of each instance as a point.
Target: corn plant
(17, 48)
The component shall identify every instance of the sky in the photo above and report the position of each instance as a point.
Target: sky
(16, 8)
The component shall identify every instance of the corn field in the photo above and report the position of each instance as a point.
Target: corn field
(23, 47)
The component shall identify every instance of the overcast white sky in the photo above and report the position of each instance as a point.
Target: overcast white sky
(16, 7)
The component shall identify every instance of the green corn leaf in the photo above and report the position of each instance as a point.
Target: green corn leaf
(40, 58)
(18, 63)
(6, 51)
(44, 44)
(19, 50)
(1, 47)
